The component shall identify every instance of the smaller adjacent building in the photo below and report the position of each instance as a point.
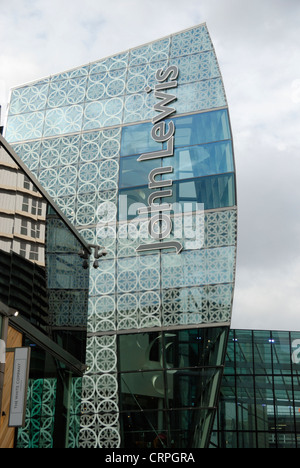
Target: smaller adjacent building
(260, 396)
(43, 308)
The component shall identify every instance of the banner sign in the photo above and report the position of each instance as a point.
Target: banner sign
(19, 387)
(2, 352)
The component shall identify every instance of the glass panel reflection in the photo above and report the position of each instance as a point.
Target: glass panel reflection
(260, 401)
(134, 173)
(199, 161)
(202, 128)
(190, 130)
(41, 271)
(177, 381)
(213, 192)
(136, 139)
(188, 163)
(147, 429)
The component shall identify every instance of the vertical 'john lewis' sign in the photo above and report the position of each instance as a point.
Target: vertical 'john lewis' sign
(160, 223)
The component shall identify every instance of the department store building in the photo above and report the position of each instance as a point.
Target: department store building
(136, 150)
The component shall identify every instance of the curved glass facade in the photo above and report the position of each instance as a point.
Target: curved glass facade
(81, 133)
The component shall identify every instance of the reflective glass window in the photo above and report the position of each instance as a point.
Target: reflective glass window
(190, 130)
(284, 408)
(213, 191)
(227, 406)
(285, 440)
(142, 391)
(229, 440)
(245, 402)
(263, 343)
(194, 348)
(264, 401)
(189, 426)
(199, 161)
(142, 351)
(192, 388)
(165, 429)
(202, 128)
(265, 440)
(247, 439)
(296, 383)
(134, 173)
(130, 200)
(230, 354)
(136, 139)
(188, 163)
(281, 352)
(145, 429)
(243, 352)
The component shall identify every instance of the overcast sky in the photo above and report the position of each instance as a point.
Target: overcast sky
(258, 46)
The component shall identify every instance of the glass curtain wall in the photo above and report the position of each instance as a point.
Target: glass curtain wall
(81, 133)
(259, 405)
(167, 402)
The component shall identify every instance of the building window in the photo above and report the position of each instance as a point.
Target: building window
(24, 227)
(40, 208)
(34, 253)
(34, 207)
(27, 183)
(37, 208)
(25, 205)
(188, 163)
(35, 230)
(23, 249)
